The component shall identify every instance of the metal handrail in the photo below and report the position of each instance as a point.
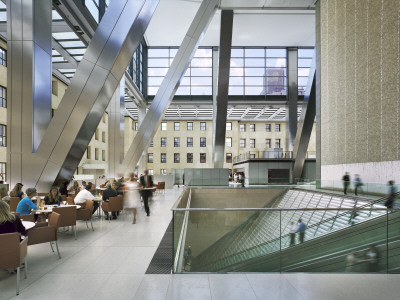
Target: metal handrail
(182, 237)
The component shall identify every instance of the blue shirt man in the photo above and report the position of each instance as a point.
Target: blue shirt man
(301, 228)
(25, 205)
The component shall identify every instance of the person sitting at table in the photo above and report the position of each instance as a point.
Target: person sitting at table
(17, 191)
(75, 188)
(54, 197)
(107, 193)
(83, 185)
(25, 205)
(64, 188)
(9, 222)
(84, 195)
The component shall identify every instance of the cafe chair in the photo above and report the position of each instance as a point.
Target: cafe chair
(45, 232)
(161, 186)
(14, 203)
(70, 201)
(12, 253)
(67, 216)
(85, 214)
(30, 218)
(113, 204)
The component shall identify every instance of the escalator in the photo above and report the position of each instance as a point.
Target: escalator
(257, 243)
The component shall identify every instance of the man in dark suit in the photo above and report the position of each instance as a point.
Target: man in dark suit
(146, 181)
(110, 192)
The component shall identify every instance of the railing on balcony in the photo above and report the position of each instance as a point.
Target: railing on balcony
(269, 154)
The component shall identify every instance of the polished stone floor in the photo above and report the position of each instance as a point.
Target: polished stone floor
(110, 263)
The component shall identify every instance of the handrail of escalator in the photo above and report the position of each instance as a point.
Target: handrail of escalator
(316, 224)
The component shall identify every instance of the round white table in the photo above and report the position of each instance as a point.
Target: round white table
(28, 225)
(50, 208)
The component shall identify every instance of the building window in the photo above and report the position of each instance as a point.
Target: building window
(202, 158)
(3, 96)
(229, 126)
(177, 126)
(228, 158)
(189, 142)
(150, 158)
(189, 126)
(277, 143)
(151, 171)
(177, 158)
(3, 56)
(3, 171)
(252, 143)
(136, 126)
(163, 172)
(163, 126)
(277, 127)
(304, 58)
(96, 153)
(103, 155)
(203, 142)
(228, 142)
(89, 152)
(252, 155)
(151, 143)
(252, 127)
(96, 135)
(177, 142)
(202, 126)
(268, 143)
(163, 142)
(242, 127)
(268, 127)
(242, 143)
(3, 135)
(163, 158)
(189, 158)
(103, 136)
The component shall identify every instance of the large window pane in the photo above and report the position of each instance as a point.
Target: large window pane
(254, 81)
(201, 62)
(158, 62)
(236, 72)
(157, 71)
(237, 62)
(236, 81)
(201, 90)
(303, 72)
(254, 90)
(305, 52)
(155, 81)
(255, 52)
(201, 72)
(235, 90)
(254, 62)
(201, 81)
(254, 71)
(237, 52)
(276, 53)
(276, 62)
(304, 63)
(183, 90)
(154, 52)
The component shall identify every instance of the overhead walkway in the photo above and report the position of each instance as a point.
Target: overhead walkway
(266, 232)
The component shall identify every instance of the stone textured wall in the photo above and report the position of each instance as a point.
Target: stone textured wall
(360, 104)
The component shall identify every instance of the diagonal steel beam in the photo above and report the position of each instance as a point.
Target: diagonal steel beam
(277, 112)
(86, 99)
(306, 124)
(223, 86)
(169, 85)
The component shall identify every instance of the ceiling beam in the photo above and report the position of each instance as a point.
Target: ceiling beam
(277, 112)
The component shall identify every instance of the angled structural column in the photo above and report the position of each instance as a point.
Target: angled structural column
(96, 79)
(225, 46)
(306, 124)
(291, 113)
(116, 126)
(169, 85)
(29, 79)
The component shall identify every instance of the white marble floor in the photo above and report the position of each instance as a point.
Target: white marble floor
(110, 263)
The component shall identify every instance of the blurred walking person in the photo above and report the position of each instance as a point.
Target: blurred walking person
(132, 196)
(357, 184)
(346, 182)
(301, 229)
(293, 230)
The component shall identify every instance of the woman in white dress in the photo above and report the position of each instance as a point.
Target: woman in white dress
(132, 196)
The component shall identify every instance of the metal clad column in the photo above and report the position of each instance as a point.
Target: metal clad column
(223, 86)
(96, 78)
(214, 92)
(169, 84)
(116, 130)
(291, 113)
(306, 124)
(29, 80)
(318, 89)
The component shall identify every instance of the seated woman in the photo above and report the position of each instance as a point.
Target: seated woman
(9, 223)
(75, 188)
(17, 191)
(54, 197)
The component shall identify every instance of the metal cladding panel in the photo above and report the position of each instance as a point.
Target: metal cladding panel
(169, 85)
(113, 116)
(106, 33)
(223, 86)
(42, 19)
(41, 94)
(65, 108)
(14, 26)
(121, 111)
(82, 110)
(47, 176)
(25, 82)
(292, 96)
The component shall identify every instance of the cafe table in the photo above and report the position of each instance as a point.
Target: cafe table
(44, 210)
(28, 224)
